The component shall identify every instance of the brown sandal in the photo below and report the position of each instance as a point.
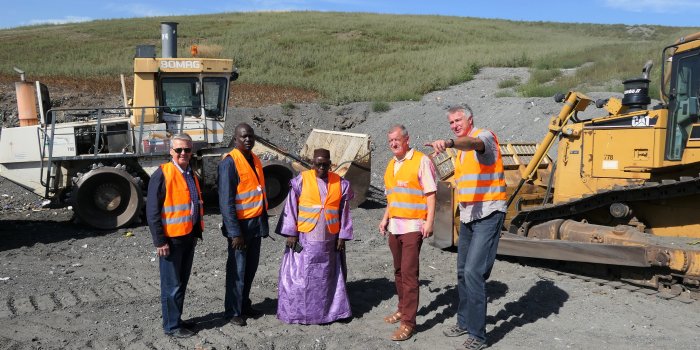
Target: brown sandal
(393, 318)
(402, 333)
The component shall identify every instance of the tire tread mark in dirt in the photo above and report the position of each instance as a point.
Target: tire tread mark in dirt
(45, 302)
(66, 298)
(131, 340)
(69, 298)
(142, 287)
(125, 289)
(57, 302)
(6, 309)
(87, 295)
(152, 285)
(28, 331)
(23, 305)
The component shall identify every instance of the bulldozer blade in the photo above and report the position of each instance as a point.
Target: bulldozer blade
(514, 245)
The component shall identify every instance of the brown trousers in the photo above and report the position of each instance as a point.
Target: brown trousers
(405, 249)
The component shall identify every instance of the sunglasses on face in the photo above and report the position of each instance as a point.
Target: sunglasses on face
(180, 150)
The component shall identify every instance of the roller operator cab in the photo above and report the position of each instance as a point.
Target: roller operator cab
(193, 93)
(624, 188)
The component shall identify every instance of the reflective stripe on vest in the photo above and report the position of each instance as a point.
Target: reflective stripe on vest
(250, 193)
(404, 194)
(310, 202)
(477, 182)
(177, 207)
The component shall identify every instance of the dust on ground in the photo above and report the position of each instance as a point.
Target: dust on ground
(66, 286)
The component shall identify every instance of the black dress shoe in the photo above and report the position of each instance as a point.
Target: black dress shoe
(238, 321)
(181, 333)
(253, 313)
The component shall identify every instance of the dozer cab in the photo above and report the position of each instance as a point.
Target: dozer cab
(99, 159)
(622, 194)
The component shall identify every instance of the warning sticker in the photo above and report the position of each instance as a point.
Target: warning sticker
(610, 164)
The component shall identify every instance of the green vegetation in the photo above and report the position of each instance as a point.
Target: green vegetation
(504, 93)
(288, 107)
(349, 56)
(508, 83)
(380, 106)
(542, 83)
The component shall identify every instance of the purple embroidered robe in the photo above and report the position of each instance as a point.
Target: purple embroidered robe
(312, 283)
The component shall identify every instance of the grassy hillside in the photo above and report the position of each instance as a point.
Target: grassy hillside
(352, 57)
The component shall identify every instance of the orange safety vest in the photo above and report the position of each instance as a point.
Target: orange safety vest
(177, 208)
(404, 192)
(477, 182)
(310, 202)
(250, 193)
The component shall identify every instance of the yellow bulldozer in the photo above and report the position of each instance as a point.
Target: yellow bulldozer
(620, 195)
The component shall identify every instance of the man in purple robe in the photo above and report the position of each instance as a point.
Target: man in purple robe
(316, 221)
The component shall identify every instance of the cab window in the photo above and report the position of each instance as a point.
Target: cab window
(180, 94)
(683, 102)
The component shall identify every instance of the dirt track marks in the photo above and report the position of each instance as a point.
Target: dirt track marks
(69, 298)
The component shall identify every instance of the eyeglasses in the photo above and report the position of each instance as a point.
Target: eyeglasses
(180, 150)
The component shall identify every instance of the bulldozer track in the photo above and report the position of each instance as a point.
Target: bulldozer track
(649, 191)
(685, 298)
(608, 279)
(670, 188)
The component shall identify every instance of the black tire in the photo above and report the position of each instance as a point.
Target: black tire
(107, 197)
(277, 177)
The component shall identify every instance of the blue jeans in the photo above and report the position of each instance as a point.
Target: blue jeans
(174, 274)
(241, 266)
(476, 253)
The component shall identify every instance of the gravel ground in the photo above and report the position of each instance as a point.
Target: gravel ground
(65, 286)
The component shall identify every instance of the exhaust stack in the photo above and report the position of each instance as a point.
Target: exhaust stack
(168, 35)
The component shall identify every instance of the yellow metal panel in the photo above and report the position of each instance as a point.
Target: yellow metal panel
(573, 174)
(586, 149)
(688, 46)
(145, 65)
(623, 153)
(144, 96)
(675, 217)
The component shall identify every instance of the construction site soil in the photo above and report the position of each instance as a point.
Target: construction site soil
(67, 286)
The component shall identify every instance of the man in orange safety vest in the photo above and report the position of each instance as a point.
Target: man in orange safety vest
(174, 211)
(481, 192)
(243, 205)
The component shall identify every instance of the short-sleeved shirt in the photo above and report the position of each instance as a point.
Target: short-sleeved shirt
(426, 178)
(470, 211)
